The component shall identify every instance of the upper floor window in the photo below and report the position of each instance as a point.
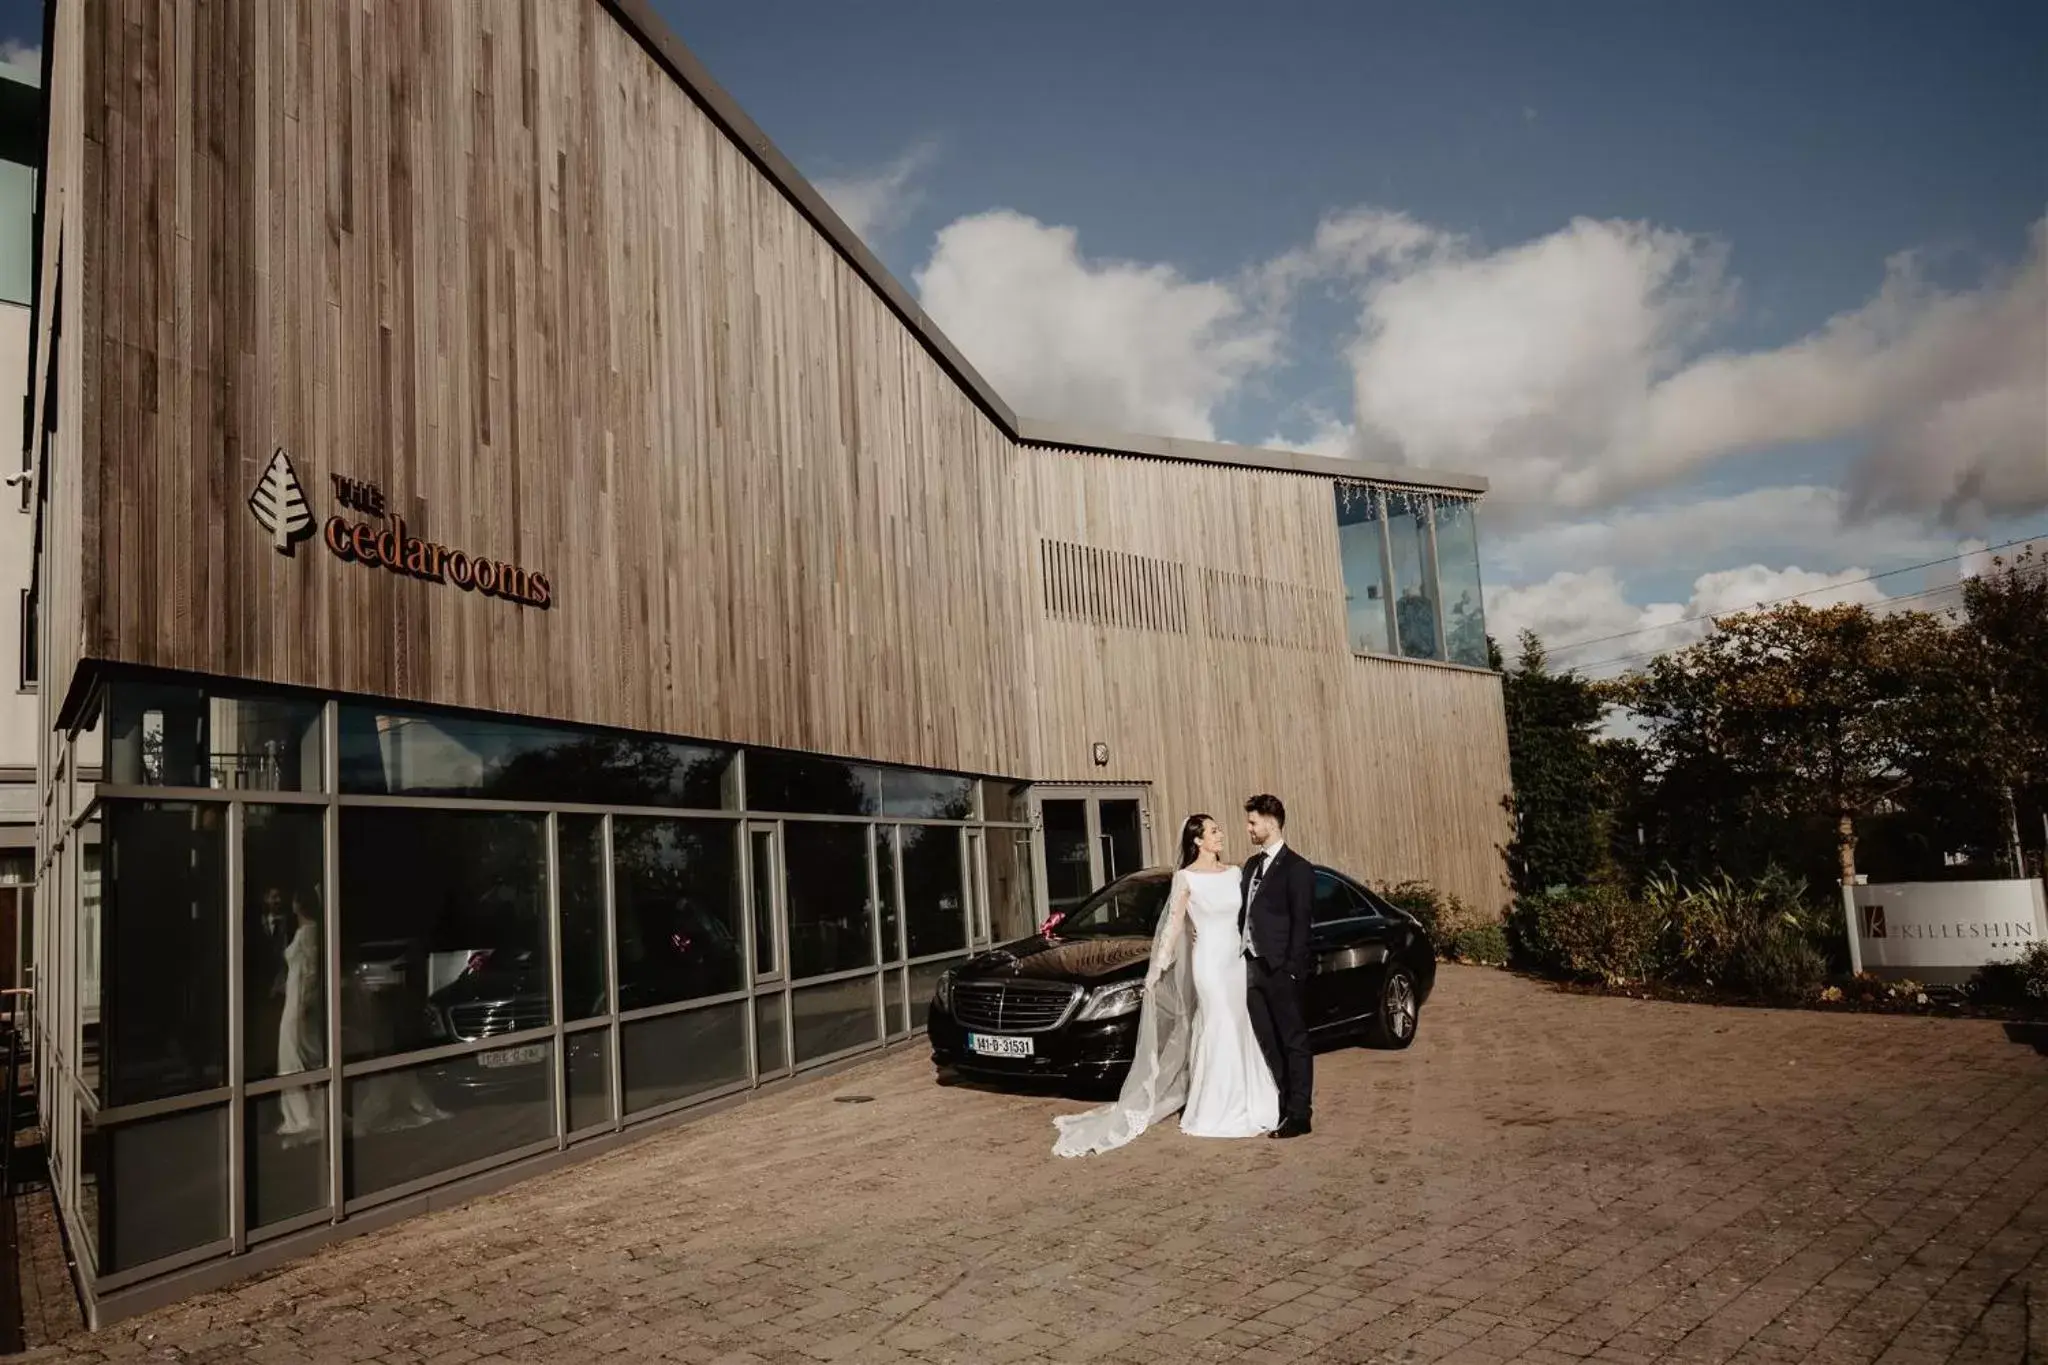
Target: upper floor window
(1411, 574)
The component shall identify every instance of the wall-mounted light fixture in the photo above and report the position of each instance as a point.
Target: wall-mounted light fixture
(1101, 754)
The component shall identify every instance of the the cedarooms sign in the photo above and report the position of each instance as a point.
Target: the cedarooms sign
(279, 503)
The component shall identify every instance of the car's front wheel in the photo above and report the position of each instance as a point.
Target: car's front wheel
(1398, 1011)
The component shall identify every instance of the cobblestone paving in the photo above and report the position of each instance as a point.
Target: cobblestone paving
(1544, 1178)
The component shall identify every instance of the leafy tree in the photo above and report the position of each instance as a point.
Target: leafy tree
(1796, 711)
(1560, 803)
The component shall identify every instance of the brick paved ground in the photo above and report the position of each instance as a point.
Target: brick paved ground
(1543, 1178)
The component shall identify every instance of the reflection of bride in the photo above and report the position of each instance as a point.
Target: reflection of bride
(298, 1032)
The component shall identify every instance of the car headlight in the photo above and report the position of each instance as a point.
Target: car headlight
(1112, 1002)
(942, 996)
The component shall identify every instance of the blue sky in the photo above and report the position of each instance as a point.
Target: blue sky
(1744, 175)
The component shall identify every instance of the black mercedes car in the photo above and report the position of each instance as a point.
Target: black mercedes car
(1063, 1004)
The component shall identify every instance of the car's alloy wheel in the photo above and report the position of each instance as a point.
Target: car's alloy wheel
(1400, 1010)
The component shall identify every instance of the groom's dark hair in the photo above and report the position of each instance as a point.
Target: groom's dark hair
(1268, 806)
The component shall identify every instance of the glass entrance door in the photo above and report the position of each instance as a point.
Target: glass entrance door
(765, 891)
(1089, 838)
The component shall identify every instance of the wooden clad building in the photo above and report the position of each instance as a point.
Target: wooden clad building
(413, 383)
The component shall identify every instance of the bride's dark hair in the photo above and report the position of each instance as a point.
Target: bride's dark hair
(1190, 837)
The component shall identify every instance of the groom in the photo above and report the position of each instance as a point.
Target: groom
(1279, 890)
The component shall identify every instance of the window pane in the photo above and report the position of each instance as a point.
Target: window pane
(425, 1120)
(935, 902)
(589, 1081)
(1457, 571)
(444, 931)
(676, 888)
(885, 886)
(579, 869)
(768, 1033)
(762, 870)
(674, 1056)
(1012, 891)
(162, 1187)
(163, 1007)
(924, 980)
(833, 1018)
(1123, 838)
(830, 919)
(287, 1154)
(1414, 575)
(160, 735)
(1360, 534)
(284, 960)
(807, 785)
(1334, 901)
(84, 946)
(892, 1002)
(1069, 873)
(17, 231)
(385, 752)
(927, 796)
(1007, 801)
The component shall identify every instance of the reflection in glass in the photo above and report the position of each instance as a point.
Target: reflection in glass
(1012, 894)
(1123, 839)
(927, 796)
(831, 926)
(17, 232)
(1414, 575)
(1457, 570)
(762, 873)
(579, 867)
(768, 1040)
(924, 980)
(284, 967)
(676, 892)
(808, 785)
(86, 942)
(168, 735)
(426, 1120)
(162, 1187)
(1069, 875)
(589, 1080)
(287, 1169)
(1006, 801)
(1360, 548)
(885, 886)
(674, 1056)
(388, 752)
(833, 1018)
(933, 890)
(163, 1007)
(444, 928)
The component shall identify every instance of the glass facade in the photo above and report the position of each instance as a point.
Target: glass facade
(312, 955)
(1411, 574)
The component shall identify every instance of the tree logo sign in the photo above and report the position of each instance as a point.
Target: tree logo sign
(1873, 921)
(280, 503)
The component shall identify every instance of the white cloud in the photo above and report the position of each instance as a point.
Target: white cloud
(876, 203)
(1586, 621)
(22, 62)
(1125, 345)
(1327, 436)
(1764, 525)
(1570, 369)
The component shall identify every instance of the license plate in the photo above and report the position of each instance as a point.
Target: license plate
(513, 1056)
(987, 1046)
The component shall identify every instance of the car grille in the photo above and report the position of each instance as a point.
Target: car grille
(1013, 1006)
(491, 1018)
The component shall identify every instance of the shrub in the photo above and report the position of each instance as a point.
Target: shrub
(2019, 983)
(1484, 944)
(1756, 937)
(1594, 932)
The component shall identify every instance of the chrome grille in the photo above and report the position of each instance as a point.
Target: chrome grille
(1013, 1006)
(492, 1018)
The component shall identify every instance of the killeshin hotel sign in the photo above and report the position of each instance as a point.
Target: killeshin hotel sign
(280, 507)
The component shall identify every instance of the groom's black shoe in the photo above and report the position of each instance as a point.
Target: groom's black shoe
(1292, 1128)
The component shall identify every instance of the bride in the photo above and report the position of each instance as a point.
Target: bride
(1196, 1051)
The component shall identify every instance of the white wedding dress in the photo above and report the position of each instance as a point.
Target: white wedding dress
(1195, 1050)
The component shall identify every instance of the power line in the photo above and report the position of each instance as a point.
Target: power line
(1555, 650)
(1883, 605)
